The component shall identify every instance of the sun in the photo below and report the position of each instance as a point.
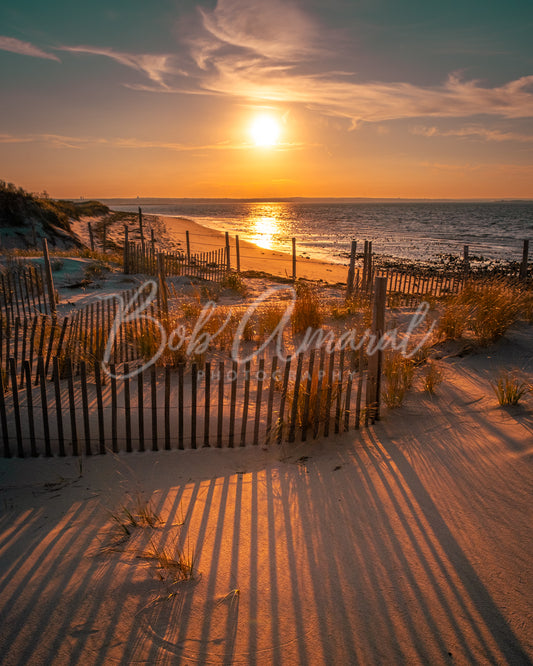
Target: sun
(265, 131)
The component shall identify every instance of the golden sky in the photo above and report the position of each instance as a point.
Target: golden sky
(364, 99)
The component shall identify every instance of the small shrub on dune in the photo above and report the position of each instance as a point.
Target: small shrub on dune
(235, 282)
(509, 389)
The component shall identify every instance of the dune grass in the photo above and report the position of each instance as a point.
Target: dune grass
(485, 309)
(308, 311)
(398, 374)
(509, 389)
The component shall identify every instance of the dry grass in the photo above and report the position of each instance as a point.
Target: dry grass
(431, 377)
(138, 514)
(318, 399)
(307, 311)
(398, 373)
(177, 564)
(486, 309)
(509, 389)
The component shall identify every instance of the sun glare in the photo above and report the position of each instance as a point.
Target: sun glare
(265, 131)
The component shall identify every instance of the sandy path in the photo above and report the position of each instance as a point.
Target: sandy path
(406, 543)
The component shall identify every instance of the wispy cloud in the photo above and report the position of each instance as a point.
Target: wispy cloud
(475, 132)
(275, 29)
(24, 48)
(153, 65)
(130, 142)
(261, 52)
(273, 52)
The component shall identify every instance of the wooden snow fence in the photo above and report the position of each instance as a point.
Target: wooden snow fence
(216, 404)
(409, 286)
(205, 265)
(57, 398)
(22, 291)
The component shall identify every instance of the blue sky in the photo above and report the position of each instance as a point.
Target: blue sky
(373, 98)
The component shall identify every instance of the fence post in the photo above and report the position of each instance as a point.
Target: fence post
(373, 387)
(162, 291)
(141, 228)
(365, 268)
(351, 270)
(294, 258)
(238, 253)
(466, 261)
(188, 246)
(228, 256)
(523, 265)
(49, 278)
(126, 251)
(91, 237)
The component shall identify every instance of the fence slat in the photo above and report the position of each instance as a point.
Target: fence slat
(85, 407)
(72, 408)
(245, 403)
(16, 406)
(153, 384)
(167, 407)
(3, 419)
(59, 412)
(44, 406)
(194, 399)
(207, 402)
(140, 408)
(258, 395)
(127, 407)
(29, 407)
(233, 401)
(307, 397)
(295, 396)
(284, 390)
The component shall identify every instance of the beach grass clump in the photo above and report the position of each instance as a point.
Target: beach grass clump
(307, 312)
(495, 307)
(509, 389)
(431, 377)
(138, 514)
(526, 305)
(486, 309)
(453, 321)
(177, 563)
(398, 374)
(96, 270)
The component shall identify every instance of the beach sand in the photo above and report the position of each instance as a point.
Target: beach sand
(407, 542)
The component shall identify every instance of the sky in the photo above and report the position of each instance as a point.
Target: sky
(369, 98)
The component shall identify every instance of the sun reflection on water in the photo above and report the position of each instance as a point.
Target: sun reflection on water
(266, 226)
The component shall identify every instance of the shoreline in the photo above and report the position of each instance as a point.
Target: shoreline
(252, 256)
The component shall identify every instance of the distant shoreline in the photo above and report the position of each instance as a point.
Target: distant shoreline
(147, 201)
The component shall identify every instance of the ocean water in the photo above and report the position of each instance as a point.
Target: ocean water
(421, 230)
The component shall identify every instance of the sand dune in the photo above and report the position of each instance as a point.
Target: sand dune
(406, 543)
